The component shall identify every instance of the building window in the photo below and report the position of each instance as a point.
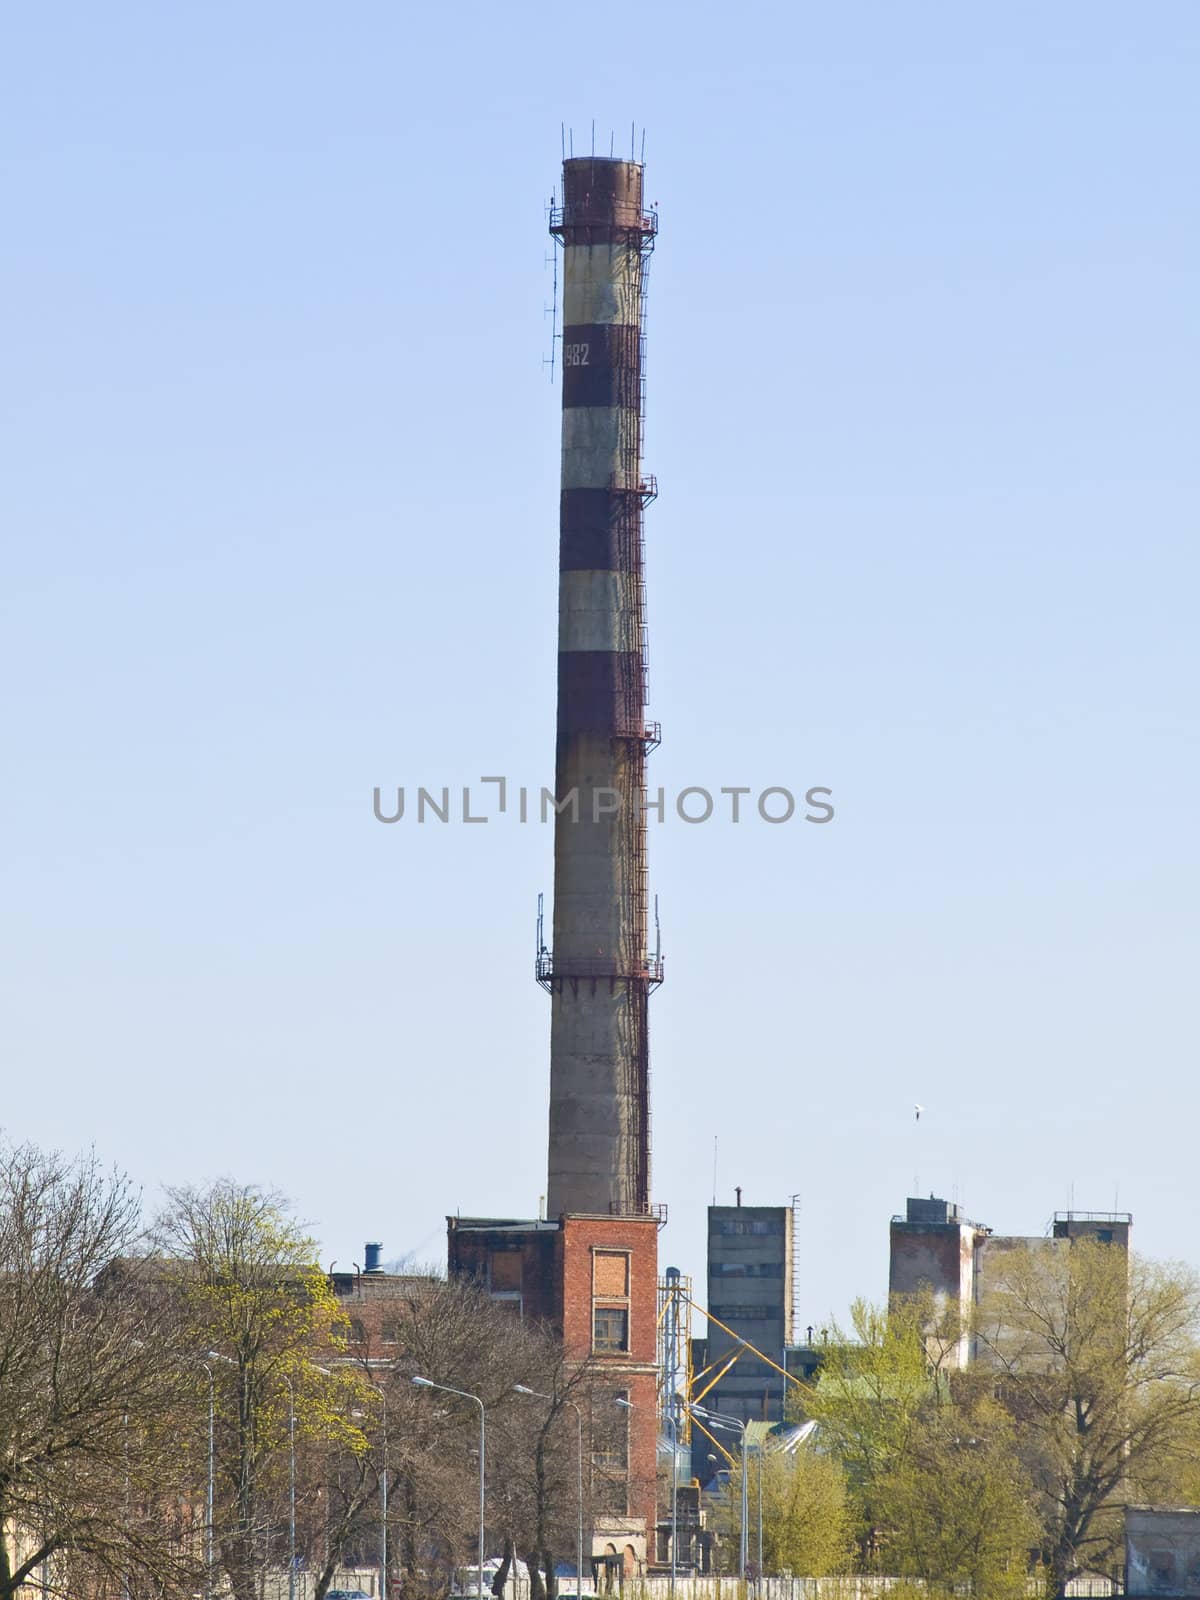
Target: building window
(1162, 1569)
(504, 1270)
(358, 1333)
(610, 1274)
(740, 1227)
(390, 1333)
(610, 1436)
(610, 1455)
(610, 1329)
(610, 1301)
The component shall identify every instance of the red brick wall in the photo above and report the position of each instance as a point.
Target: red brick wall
(556, 1287)
(635, 1370)
(370, 1300)
(469, 1250)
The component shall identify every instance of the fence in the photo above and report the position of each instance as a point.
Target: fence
(658, 1587)
(844, 1587)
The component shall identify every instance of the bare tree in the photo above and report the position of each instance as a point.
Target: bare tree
(90, 1375)
(457, 1336)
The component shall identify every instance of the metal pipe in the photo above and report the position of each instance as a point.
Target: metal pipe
(428, 1383)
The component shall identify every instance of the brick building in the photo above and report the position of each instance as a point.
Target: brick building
(594, 1280)
(369, 1296)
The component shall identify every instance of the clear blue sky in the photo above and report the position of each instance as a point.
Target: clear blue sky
(279, 476)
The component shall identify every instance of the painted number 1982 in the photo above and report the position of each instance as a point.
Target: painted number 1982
(575, 355)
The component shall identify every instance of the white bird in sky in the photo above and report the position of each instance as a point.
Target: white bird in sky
(918, 1110)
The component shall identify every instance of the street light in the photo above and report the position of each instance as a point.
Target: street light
(212, 1355)
(383, 1505)
(758, 1451)
(734, 1424)
(674, 1432)
(521, 1388)
(291, 1487)
(629, 1406)
(287, 1378)
(463, 1394)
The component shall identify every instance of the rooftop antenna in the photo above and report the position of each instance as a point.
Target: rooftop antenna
(917, 1108)
(541, 928)
(643, 147)
(611, 141)
(658, 941)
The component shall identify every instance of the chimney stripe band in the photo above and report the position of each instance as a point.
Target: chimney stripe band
(599, 691)
(599, 611)
(600, 447)
(604, 285)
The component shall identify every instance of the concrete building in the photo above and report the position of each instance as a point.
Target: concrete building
(1162, 1553)
(750, 1254)
(936, 1249)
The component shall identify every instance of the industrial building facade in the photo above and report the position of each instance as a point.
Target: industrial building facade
(936, 1250)
(594, 1280)
(750, 1293)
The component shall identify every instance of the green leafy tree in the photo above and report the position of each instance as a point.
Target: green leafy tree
(872, 1389)
(1097, 1358)
(259, 1315)
(936, 1483)
(958, 1504)
(807, 1525)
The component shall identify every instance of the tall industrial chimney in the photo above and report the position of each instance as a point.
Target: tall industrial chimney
(599, 972)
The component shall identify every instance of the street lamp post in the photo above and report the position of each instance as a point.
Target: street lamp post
(287, 1378)
(212, 1355)
(291, 1488)
(463, 1394)
(628, 1405)
(674, 1489)
(759, 1453)
(208, 1512)
(383, 1506)
(734, 1424)
(520, 1388)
